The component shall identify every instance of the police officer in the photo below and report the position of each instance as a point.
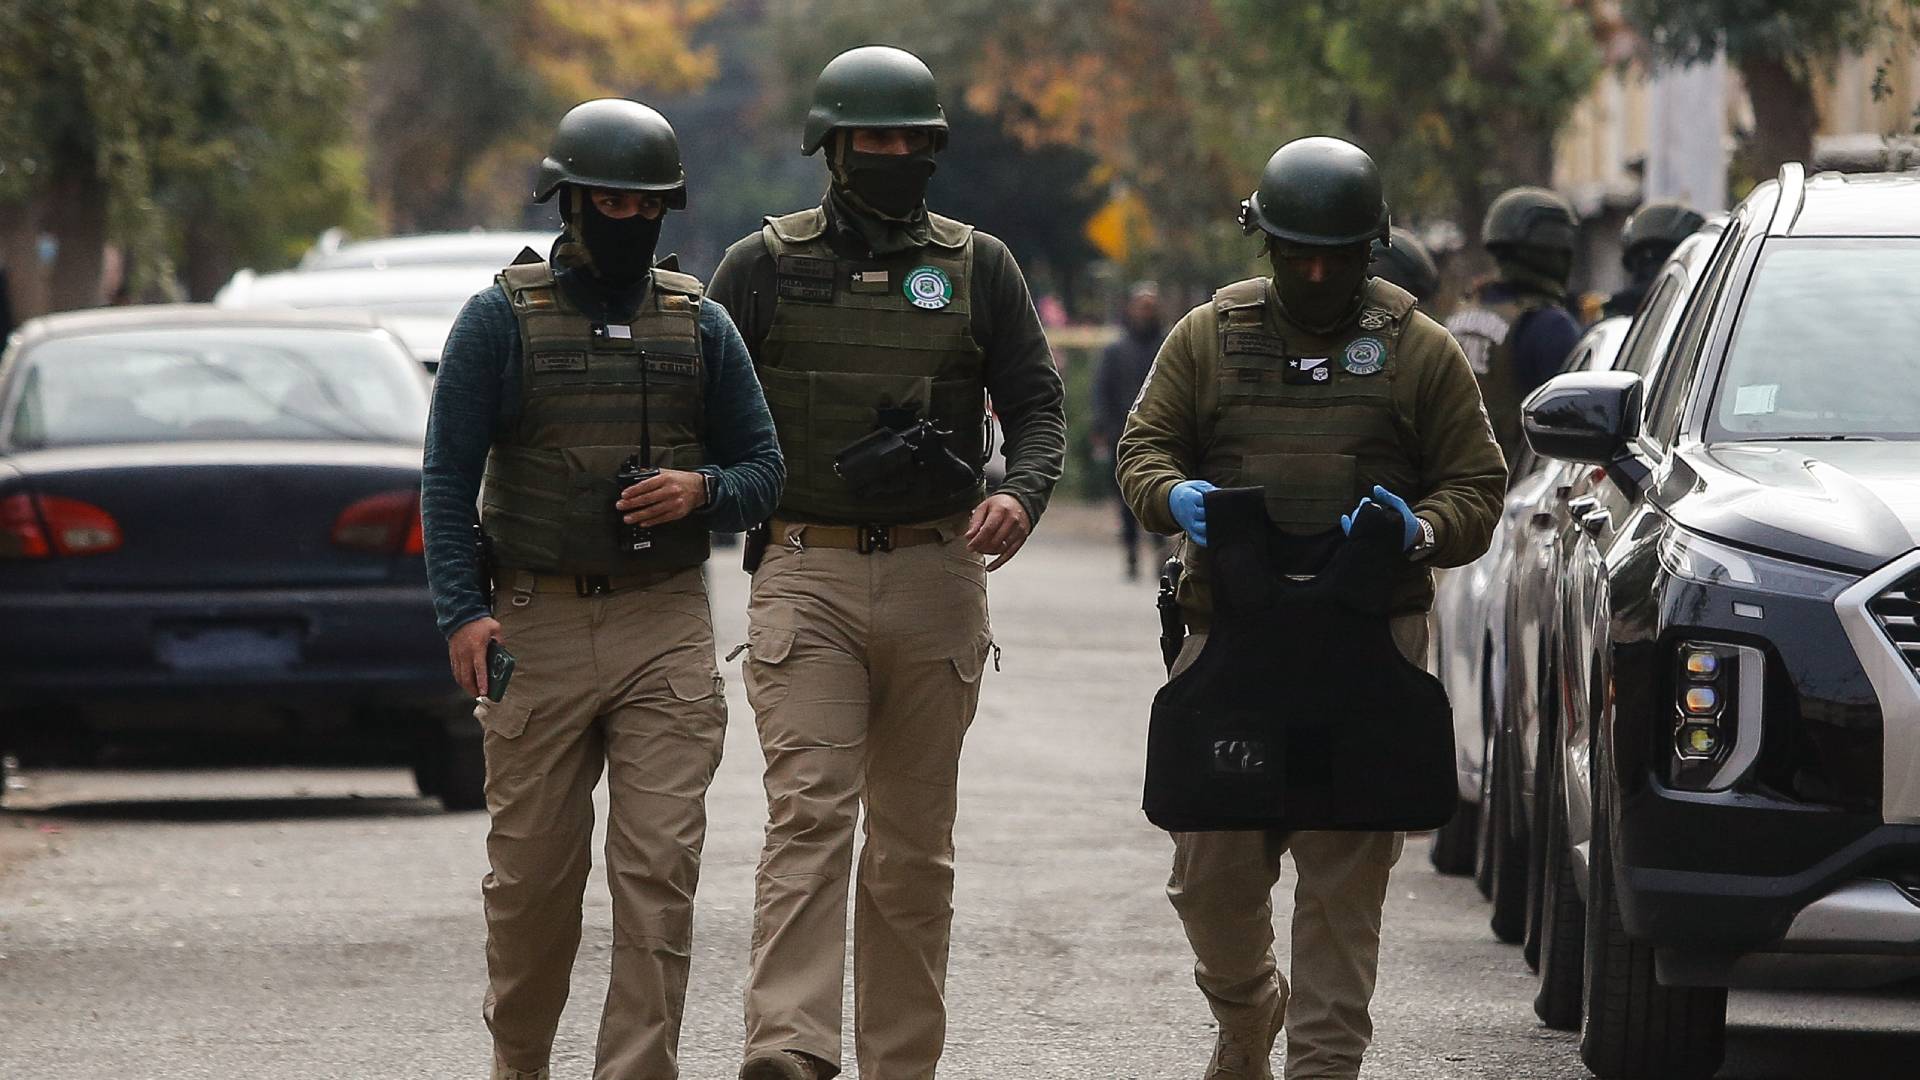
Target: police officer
(1323, 385)
(1650, 236)
(1116, 382)
(1516, 328)
(552, 381)
(1404, 261)
(878, 329)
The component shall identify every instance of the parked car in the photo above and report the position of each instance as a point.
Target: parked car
(1735, 782)
(1468, 634)
(1525, 599)
(417, 303)
(473, 248)
(210, 537)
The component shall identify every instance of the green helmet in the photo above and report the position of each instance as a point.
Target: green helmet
(874, 86)
(618, 144)
(1530, 218)
(1664, 223)
(1406, 263)
(1318, 191)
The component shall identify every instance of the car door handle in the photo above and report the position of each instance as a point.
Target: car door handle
(1583, 505)
(1596, 522)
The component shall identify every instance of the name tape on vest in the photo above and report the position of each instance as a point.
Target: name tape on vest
(803, 277)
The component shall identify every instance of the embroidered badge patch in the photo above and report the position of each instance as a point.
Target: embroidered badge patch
(1374, 319)
(928, 287)
(1364, 356)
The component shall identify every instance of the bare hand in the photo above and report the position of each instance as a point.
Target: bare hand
(662, 499)
(999, 527)
(467, 654)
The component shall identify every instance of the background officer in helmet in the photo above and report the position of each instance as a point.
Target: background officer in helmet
(1650, 236)
(1404, 261)
(878, 329)
(1323, 385)
(550, 382)
(1516, 328)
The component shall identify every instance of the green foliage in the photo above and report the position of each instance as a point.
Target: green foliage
(235, 108)
(1802, 31)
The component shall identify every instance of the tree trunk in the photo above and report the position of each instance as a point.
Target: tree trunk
(77, 217)
(207, 257)
(26, 279)
(1784, 117)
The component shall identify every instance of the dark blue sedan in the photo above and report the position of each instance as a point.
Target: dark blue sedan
(210, 541)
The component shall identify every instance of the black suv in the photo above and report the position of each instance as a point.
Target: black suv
(1733, 798)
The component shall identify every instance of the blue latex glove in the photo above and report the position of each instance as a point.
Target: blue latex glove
(1409, 524)
(1187, 500)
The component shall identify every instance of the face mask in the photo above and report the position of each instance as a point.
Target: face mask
(622, 248)
(1320, 306)
(891, 185)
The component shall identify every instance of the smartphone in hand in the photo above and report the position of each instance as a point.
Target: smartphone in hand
(499, 670)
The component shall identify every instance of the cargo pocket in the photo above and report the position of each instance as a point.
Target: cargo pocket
(1306, 493)
(970, 663)
(503, 719)
(767, 676)
(693, 685)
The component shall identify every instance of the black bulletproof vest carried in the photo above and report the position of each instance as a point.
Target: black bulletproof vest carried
(1300, 712)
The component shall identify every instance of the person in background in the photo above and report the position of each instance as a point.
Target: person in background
(1123, 369)
(1650, 236)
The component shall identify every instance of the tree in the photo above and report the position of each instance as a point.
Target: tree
(461, 94)
(1780, 48)
(148, 122)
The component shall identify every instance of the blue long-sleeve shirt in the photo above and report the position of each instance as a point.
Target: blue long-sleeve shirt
(477, 397)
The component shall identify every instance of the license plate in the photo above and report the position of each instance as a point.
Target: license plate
(228, 646)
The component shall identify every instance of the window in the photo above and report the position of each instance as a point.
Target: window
(1824, 345)
(1637, 355)
(1675, 369)
(168, 385)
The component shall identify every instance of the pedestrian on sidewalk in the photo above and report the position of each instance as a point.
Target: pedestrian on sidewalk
(1123, 369)
(566, 375)
(878, 330)
(1325, 386)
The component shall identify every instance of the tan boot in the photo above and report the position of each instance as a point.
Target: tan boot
(501, 1072)
(1246, 1053)
(779, 1065)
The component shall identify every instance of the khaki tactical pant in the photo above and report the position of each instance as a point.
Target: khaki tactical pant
(863, 672)
(1222, 887)
(626, 679)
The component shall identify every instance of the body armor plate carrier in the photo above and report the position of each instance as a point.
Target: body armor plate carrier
(593, 396)
(1300, 712)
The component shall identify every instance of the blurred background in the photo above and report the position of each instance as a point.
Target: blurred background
(154, 149)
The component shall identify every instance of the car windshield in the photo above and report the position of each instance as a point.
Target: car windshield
(1828, 345)
(172, 385)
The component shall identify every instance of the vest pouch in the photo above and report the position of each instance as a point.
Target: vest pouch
(1305, 493)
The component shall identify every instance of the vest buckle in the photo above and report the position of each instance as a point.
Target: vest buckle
(872, 538)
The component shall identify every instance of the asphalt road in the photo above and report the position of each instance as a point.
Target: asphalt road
(318, 924)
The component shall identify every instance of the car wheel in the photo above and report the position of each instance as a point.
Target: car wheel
(1635, 1028)
(1563, 915)
(463, 781)
(1453, 844)
(1506, 857)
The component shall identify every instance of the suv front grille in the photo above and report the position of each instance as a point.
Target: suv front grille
(1898, 612)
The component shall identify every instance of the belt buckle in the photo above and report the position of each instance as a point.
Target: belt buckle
(872, 538)
(591, 585)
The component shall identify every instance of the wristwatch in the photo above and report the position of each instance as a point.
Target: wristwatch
(713, 488)
(1424, 545)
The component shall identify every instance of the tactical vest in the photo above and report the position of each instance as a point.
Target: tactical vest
(1487, 333)
(858, 343)
(1315, 428)
(1300, 712)
(592, 394)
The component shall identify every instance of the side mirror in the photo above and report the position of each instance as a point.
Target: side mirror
(1589, 417)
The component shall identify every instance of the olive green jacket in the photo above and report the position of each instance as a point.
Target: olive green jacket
(1462, 476)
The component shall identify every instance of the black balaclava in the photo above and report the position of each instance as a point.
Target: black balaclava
(891, 186)
(620, 249)
(1322, 307)
(1535, 269)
